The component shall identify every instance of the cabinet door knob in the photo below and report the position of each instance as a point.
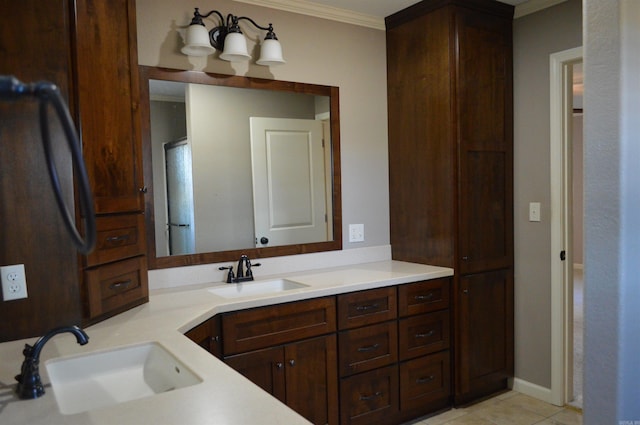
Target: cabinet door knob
(143, 189)
(279, 365)
(465, 291)
(465, 258)
(292, 362)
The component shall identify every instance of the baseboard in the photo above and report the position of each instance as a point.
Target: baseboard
(530, 389)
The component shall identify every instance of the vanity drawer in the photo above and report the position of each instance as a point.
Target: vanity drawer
(368, 348)
(367, 307)
(423, 297)
(116, 285)
(425, 381)
(262, 327)
(117, 238)
(370, 398)
(424, 334)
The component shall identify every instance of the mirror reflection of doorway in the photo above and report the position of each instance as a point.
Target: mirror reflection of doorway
(180, 209)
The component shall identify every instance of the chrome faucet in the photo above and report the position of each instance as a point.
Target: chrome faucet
(243, 271)
(29, 384)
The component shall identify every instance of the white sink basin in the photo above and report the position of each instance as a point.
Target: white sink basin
(237, 290)
(107, 378)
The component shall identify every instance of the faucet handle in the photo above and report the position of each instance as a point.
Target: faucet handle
(249, 273)
(230, 275)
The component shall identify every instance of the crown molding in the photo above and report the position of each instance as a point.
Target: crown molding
(533, 6)
(321, 11)
(308, 8)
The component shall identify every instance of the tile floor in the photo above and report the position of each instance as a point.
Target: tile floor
(511, 408)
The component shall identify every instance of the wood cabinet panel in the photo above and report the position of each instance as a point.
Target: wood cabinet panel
(302, 374)
(424, 334)
(107, 89)
(368, 348)
(312, 379)
(423, 297)
(484, 341)
(425, 383)
(264, 368)
(118, 237)
(370, 398)
(116, 286)
(208, 335)
(261, 327)
(367, 307)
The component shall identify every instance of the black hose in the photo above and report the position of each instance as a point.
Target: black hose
(10, 89)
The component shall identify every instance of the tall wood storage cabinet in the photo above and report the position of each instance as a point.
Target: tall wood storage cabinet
(449, 65)
(88, 49)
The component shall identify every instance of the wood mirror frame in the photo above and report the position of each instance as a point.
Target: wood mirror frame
(153, 73)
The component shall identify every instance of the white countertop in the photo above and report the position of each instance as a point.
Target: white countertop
(224, 396)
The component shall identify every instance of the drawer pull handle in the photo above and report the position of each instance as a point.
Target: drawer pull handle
(120, 238)
(367, 307)
(427, 335)
(424, 297)
(369, 348)
(425, 380)
(118, 285)
(370, 397)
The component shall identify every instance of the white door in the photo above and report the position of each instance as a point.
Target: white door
(288, 181)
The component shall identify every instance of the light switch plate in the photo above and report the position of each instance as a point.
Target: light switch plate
(356, 233)
(534, 211)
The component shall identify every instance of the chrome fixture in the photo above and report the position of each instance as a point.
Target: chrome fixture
(243, 271)
(227, 37)
(29, 384)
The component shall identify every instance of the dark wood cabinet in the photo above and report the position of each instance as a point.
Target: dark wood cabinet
(449, 68)
(290, 351)
(208, 335)
(88, 49)
(107, 92)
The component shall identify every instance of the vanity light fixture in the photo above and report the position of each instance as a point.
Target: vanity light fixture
(228, 38)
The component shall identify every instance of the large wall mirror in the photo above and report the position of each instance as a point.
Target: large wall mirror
(237, 165)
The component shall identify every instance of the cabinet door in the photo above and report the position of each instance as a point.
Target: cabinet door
(264, 368)
(312, 379)
(106, 54)
(207, 336)
(484, 333)
(485, 142)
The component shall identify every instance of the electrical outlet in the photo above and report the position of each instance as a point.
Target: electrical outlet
(356, 233)
(14, 282)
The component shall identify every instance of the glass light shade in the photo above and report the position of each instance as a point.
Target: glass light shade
(270, 53)
(197, 43)
(235, 48)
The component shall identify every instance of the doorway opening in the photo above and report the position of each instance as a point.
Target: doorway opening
(566, 227)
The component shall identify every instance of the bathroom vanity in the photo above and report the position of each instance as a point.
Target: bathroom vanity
(354, 307)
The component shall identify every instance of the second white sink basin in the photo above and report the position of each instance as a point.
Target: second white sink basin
(107, 378)
(237, 290)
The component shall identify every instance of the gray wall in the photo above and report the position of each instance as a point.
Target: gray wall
(536, 36)
(612, 211)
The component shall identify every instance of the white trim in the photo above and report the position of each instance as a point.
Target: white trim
(304, 7)
(310, 8)
(532, 390)
(578, 266)
(533, 6)
(558, 228)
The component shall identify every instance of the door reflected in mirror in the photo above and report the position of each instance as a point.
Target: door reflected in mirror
(235, 168)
